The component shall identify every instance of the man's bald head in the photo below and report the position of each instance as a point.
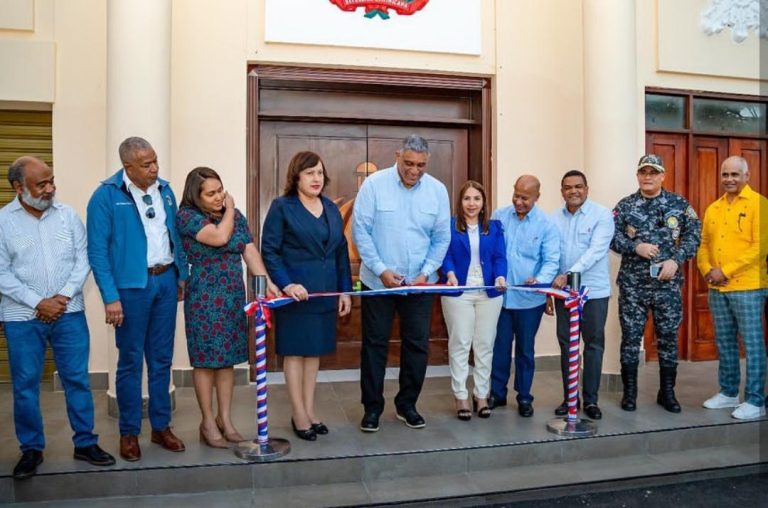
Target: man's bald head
(526, 194)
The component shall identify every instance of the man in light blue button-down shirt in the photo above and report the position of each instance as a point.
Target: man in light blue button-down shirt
(401, 227)
(533, 251)
(586, 231)
(43, 266)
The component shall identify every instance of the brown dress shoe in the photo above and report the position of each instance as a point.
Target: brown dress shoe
(129, 448)
(167, 440)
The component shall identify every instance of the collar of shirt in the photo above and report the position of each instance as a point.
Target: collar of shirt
(16, 206)
(583, 209)
(746, 193)
(135, 188)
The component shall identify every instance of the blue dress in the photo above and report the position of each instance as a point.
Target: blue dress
(214, 296)
(300, 248)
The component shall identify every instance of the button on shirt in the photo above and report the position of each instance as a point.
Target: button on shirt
(585, 238)
(533, 250)
(158, 243)
(406, 230)
(40, 258)
(732, 240)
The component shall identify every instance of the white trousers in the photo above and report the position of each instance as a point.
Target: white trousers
(471, 321)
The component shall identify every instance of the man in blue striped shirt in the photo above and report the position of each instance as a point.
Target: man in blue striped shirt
(401, 226)
(533, 252)
(43, 266)
(586, 231)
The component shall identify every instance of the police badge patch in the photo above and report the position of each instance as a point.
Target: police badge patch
(690, 212)
(672, 222)
(631, 231)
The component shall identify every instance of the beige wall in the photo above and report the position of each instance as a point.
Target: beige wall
(533, 50)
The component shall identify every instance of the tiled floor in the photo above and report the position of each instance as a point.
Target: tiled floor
(339, 407)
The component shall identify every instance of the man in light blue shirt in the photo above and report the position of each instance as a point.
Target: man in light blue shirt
(533, 251)
(43, 266)
(401, 227)
(586, 230)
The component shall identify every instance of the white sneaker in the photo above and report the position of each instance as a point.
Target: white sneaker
(747, 411)
(720, 401)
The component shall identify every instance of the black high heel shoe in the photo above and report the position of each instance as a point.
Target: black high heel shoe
(320, 428)
(483, 412)
(306, 434)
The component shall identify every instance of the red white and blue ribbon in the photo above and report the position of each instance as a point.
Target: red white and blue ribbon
(574, 301)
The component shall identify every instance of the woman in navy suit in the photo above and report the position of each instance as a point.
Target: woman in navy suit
(305, 251)
(475, 257)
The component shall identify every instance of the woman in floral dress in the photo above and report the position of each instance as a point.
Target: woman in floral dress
(215, 237)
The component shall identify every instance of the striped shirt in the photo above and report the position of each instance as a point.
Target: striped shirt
(40, 258)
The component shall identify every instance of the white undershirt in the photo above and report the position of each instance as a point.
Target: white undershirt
(473, 232)
(158, 242)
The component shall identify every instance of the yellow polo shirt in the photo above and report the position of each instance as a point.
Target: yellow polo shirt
(734, 239)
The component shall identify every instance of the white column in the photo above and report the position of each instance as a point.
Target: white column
(612, 142)
(138, 95)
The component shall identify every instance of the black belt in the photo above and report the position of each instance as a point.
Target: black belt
(158, 269)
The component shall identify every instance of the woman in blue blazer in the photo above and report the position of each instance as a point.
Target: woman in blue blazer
(475, 257)
(305, 251)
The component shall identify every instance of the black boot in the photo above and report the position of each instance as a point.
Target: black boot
(666, 395)
(629, 378)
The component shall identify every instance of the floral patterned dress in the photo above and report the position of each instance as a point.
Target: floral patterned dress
(214, 296)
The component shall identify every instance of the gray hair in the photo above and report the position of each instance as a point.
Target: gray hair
(741, 160)
(132, 145)
(17, 167)
(416, 144)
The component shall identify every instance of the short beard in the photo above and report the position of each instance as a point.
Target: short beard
(36, 203)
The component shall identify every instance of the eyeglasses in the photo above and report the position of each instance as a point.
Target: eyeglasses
(648, 172)
(150, 213)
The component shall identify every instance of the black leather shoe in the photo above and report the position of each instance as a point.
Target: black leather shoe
(370, 422)
(525, 409)
(593, 412)
(412, 418)
(27, 465)
(494, 402)
(94, 455)
(320, 428)
(305, 434)
(562, 409)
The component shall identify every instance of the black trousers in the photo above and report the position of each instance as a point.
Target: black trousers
(592, 327)
(378, 313)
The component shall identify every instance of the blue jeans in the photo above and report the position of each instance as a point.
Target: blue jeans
(518, 326)
(70, 342)
(146, 333)
(740, 312)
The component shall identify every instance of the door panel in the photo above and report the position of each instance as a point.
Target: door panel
(673, 151)
(350, 152)
(708, 155)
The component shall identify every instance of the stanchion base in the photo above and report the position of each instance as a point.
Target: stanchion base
(252, 451)
(579, 428)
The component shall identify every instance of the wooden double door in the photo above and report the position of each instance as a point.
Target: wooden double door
(692, 164)
(350, 152)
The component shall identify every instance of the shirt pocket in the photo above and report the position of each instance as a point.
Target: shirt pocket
(583, 236)
(426, 214)
(530, 246)
(386, 212)
(63, 248)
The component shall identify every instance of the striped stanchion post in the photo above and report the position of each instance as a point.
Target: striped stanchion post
(263, 448)
(571, 425)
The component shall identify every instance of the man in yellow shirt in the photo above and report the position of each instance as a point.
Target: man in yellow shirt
(731, 259)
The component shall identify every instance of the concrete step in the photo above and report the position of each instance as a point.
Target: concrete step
(448, 473)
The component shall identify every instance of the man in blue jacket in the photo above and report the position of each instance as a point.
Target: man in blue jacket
(138, 263)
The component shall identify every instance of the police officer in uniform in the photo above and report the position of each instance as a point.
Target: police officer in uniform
(656, 232)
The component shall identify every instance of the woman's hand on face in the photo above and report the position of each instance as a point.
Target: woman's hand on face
(229, 201)
(345, 305)
(451, 279)
(501, 283)
(296, 291)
